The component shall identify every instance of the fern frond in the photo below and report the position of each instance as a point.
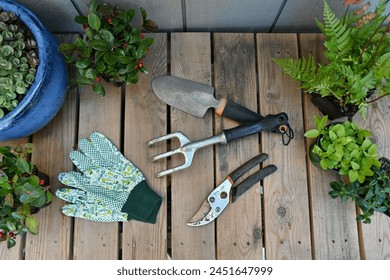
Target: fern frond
(382, 69)
(338, 41)
(298, 69)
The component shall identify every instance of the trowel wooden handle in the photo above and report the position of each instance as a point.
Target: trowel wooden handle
(234, 111)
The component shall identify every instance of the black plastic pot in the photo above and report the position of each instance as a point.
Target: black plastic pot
(329, 106)
(386, 168)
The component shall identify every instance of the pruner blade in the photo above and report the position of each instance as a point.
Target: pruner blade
(211, 208)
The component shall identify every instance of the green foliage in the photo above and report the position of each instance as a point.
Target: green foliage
(357, 48)
(112, 48)
(21, 193)
(371, 195)
(18, 61)
(344, 147)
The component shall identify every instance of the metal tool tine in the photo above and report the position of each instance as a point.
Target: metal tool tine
(174, 169)
(165, 155)
(187, 148)
(182, 138)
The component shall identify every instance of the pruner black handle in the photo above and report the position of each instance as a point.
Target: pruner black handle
(269, 123)
(251, 180)
(247, 166)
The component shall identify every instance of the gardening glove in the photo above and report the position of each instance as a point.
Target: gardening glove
(109, 187)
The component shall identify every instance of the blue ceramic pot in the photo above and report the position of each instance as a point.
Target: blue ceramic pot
(46, 95)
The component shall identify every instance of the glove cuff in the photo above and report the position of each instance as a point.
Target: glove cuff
(142, 204)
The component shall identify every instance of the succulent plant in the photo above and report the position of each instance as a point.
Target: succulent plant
(18, 61)
(23, 190)
(112, 49)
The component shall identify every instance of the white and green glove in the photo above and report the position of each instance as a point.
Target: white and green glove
(109, 189)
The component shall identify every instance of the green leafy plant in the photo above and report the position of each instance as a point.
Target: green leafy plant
(357, 49)
(344, 147)
(18, 61)
(112, 49)
(22, 193)
(370, 196)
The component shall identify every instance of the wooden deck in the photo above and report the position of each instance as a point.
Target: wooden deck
(295, 218)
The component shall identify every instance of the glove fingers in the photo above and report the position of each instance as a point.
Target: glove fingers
(107, 149)
(88, 149)
(94, 212)
(82, 162)
(73, 179)
(71, 195)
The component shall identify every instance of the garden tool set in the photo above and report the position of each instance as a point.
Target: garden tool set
(196, 98)
(109, 188)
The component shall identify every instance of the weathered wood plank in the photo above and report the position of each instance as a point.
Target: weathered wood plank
(93, 240)
(286, 209)
(239, 228)
(191, 59)
(375, 237)
(52, 145)
(146, 118)
(16, 252)
(333, 222)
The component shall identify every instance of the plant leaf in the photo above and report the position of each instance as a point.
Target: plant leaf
(312, 133)
(94, 21)
(150, 25)
(23, 165)
(353, 175)
(32, 224)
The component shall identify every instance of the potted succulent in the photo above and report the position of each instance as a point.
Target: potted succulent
(23, 192)
(371, 195)
(343, 147)
(112, 49)
(33, 75)
(357, 70)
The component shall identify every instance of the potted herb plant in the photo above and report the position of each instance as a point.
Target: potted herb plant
(373, 194)
(33, 74)
(112, 48)
(23, 192)
(344, 148)
(357, 70)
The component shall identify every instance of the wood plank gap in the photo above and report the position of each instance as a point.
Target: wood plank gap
(214, 129)
(168, 162)
(257, 82)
